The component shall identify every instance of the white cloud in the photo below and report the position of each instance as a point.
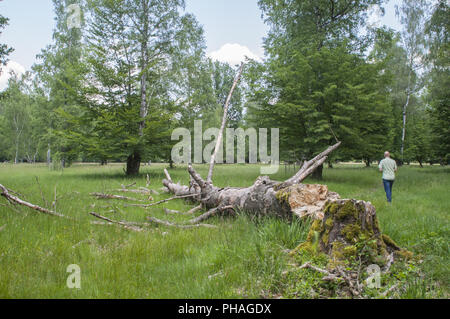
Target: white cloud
(13, 66)
(233, 53)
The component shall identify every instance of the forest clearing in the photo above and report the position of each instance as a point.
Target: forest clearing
(244, 257)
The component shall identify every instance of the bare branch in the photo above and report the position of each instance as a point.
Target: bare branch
(309, 167)
(194, 210)
(126, 225)
(135, 191)
(208, 214)
(169, 224)
(110, 196)
(308, 265)
(128, 186)
(19, 201)
(196, 176)
(222, 128)
(161, 201)
(168, 176)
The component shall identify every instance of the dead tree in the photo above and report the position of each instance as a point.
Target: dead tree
(289, 199)
(265, 196)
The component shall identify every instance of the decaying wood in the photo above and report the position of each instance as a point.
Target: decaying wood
(338, 275)
(209, 214)
(189, 212)
(265, 196)
(126, 225)
(391, 289)
(111, 196)
(161, 201)
(16, 200)
(151, 191)
(309, 167)
(194, 210)
(134, 191)
(170, 224)
(128, 186)
(173, 212)
(167, 175)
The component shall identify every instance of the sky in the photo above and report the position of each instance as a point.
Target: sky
(233, 29)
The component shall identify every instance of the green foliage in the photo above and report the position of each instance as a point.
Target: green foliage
(438, 58)
(4, 49)
(15, 126)
(317, 85)
(59, 76)
(136, 72)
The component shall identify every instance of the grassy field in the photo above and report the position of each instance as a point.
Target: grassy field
(243, 258)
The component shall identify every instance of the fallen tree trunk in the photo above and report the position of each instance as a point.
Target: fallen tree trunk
(341, 226)
(265, 197)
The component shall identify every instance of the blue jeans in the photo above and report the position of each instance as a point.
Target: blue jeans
(388, 189)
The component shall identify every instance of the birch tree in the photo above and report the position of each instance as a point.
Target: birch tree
(412, 15)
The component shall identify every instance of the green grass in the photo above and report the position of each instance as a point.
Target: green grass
(245, 257)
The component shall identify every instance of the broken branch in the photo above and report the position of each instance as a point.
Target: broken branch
(169, 224)
(161, 201)
(110, 196)
(130, 226)
(19, 201)
(224, 121)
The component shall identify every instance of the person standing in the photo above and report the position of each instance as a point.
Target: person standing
(388, 166)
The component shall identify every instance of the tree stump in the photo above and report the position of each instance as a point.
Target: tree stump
(349, 231)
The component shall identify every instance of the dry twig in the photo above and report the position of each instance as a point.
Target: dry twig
(17, 200)
(160, 202)
(126, 225)
(111, 196)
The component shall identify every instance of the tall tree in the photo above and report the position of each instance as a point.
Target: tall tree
(60, 75)
(412, 14)
(314, 53)
(5, 50)
(15, 111)
(438, 59)
(136, 48)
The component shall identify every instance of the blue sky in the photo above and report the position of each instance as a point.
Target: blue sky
(232, 28)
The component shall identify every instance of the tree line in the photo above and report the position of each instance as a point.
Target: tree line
(114, 88)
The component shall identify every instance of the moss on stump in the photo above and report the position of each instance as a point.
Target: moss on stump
(349, 231)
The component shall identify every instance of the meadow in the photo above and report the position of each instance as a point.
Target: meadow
(243, 258)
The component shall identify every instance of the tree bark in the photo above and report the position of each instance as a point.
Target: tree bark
(348, 230)
(224, 121)
(144, 65)
(133, 163)
(265, 196)
(337, 222)
(318, 173)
